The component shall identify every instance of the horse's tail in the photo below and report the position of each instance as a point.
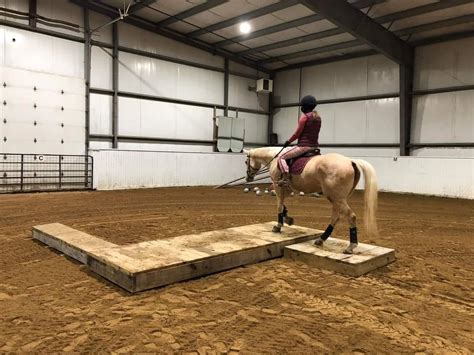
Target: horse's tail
(370, 196)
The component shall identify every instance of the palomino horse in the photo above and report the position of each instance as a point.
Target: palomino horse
(335, 175)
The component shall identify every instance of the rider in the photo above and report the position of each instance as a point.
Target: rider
(307, 134)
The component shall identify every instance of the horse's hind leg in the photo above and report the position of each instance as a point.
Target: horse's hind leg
(351, 218)
(336, 211)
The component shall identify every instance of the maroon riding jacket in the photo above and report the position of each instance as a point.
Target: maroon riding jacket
(307, 132)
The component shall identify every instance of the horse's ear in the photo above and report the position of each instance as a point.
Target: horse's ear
(246, 152)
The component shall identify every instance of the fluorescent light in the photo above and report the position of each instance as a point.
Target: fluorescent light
(245, 27)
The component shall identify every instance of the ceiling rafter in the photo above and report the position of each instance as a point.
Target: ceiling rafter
(361, 26)
(420, 10)
(190, 12)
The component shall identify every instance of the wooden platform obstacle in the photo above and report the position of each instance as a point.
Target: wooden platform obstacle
(146, 265)
(142, 266)
(366, 257)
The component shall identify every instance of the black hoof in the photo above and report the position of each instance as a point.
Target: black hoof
(289, 220)
(276, 229)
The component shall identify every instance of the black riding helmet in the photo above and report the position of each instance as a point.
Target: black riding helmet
(308, 103)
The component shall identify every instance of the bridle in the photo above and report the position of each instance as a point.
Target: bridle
(251, 171)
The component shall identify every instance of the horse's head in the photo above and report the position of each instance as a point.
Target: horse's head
(252, 166)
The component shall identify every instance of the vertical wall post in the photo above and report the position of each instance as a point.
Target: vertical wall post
(214, 130)
(115, 84)
(60, 177)
(270, 110)
(226, 87)
(32, 9)
(406, 100)
(87, 74)
(22, 168)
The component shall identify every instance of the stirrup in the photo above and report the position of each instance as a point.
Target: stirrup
(284, 180)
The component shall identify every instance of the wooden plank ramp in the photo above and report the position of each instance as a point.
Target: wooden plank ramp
(146, 265)
(366, 257)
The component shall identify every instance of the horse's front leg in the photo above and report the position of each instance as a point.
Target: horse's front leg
(280, 192)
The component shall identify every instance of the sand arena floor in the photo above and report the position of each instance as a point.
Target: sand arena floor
(424, 302)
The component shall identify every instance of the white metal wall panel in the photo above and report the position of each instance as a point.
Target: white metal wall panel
(51, 55)
(444, 152)
(60, 10)
(2, 46)
(124, 169)
(241, 96)
(202, 85)
(383, 75)
(443, 118)
(160, 78)
(422, 175)
(284, 122)
(371, 121)
(444, 64)
(356, 77)
(101, 68)
(363, 152)
(256, 127)
(100, 114)
(18, 5)
(53, 114)
(139, 169)
(287, 87)
(133, 37)
(99, 145)
(164, 120)
(158, 147)
(383, 121)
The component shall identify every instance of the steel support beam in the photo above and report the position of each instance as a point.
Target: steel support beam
(344, 99)
(87, 75)
(174, 101)
(271, 109)
(115, 83)
(32, 9)
(406, 88)
(290, 24)
(245, 17)
(349, 44)
(190, 12)
(332, 32)
(341, 13)
(226, 87)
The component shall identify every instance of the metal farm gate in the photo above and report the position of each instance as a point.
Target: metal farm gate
(45, 172)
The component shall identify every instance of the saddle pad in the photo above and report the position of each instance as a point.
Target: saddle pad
(299, 164)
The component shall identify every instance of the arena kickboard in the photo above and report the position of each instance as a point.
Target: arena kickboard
(330, 256)
(146, 265)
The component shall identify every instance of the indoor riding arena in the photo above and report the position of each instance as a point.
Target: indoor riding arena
(237, 176)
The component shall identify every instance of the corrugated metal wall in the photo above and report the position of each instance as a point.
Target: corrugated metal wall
(64, 59)
(437, 118)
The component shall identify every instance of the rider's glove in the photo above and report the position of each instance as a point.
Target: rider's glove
(286, 144)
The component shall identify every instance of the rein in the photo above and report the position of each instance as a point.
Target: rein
(264, 170)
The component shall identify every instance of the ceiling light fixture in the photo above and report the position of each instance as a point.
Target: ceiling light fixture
(245, 27)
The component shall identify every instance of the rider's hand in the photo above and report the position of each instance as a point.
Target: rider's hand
(286, 144)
